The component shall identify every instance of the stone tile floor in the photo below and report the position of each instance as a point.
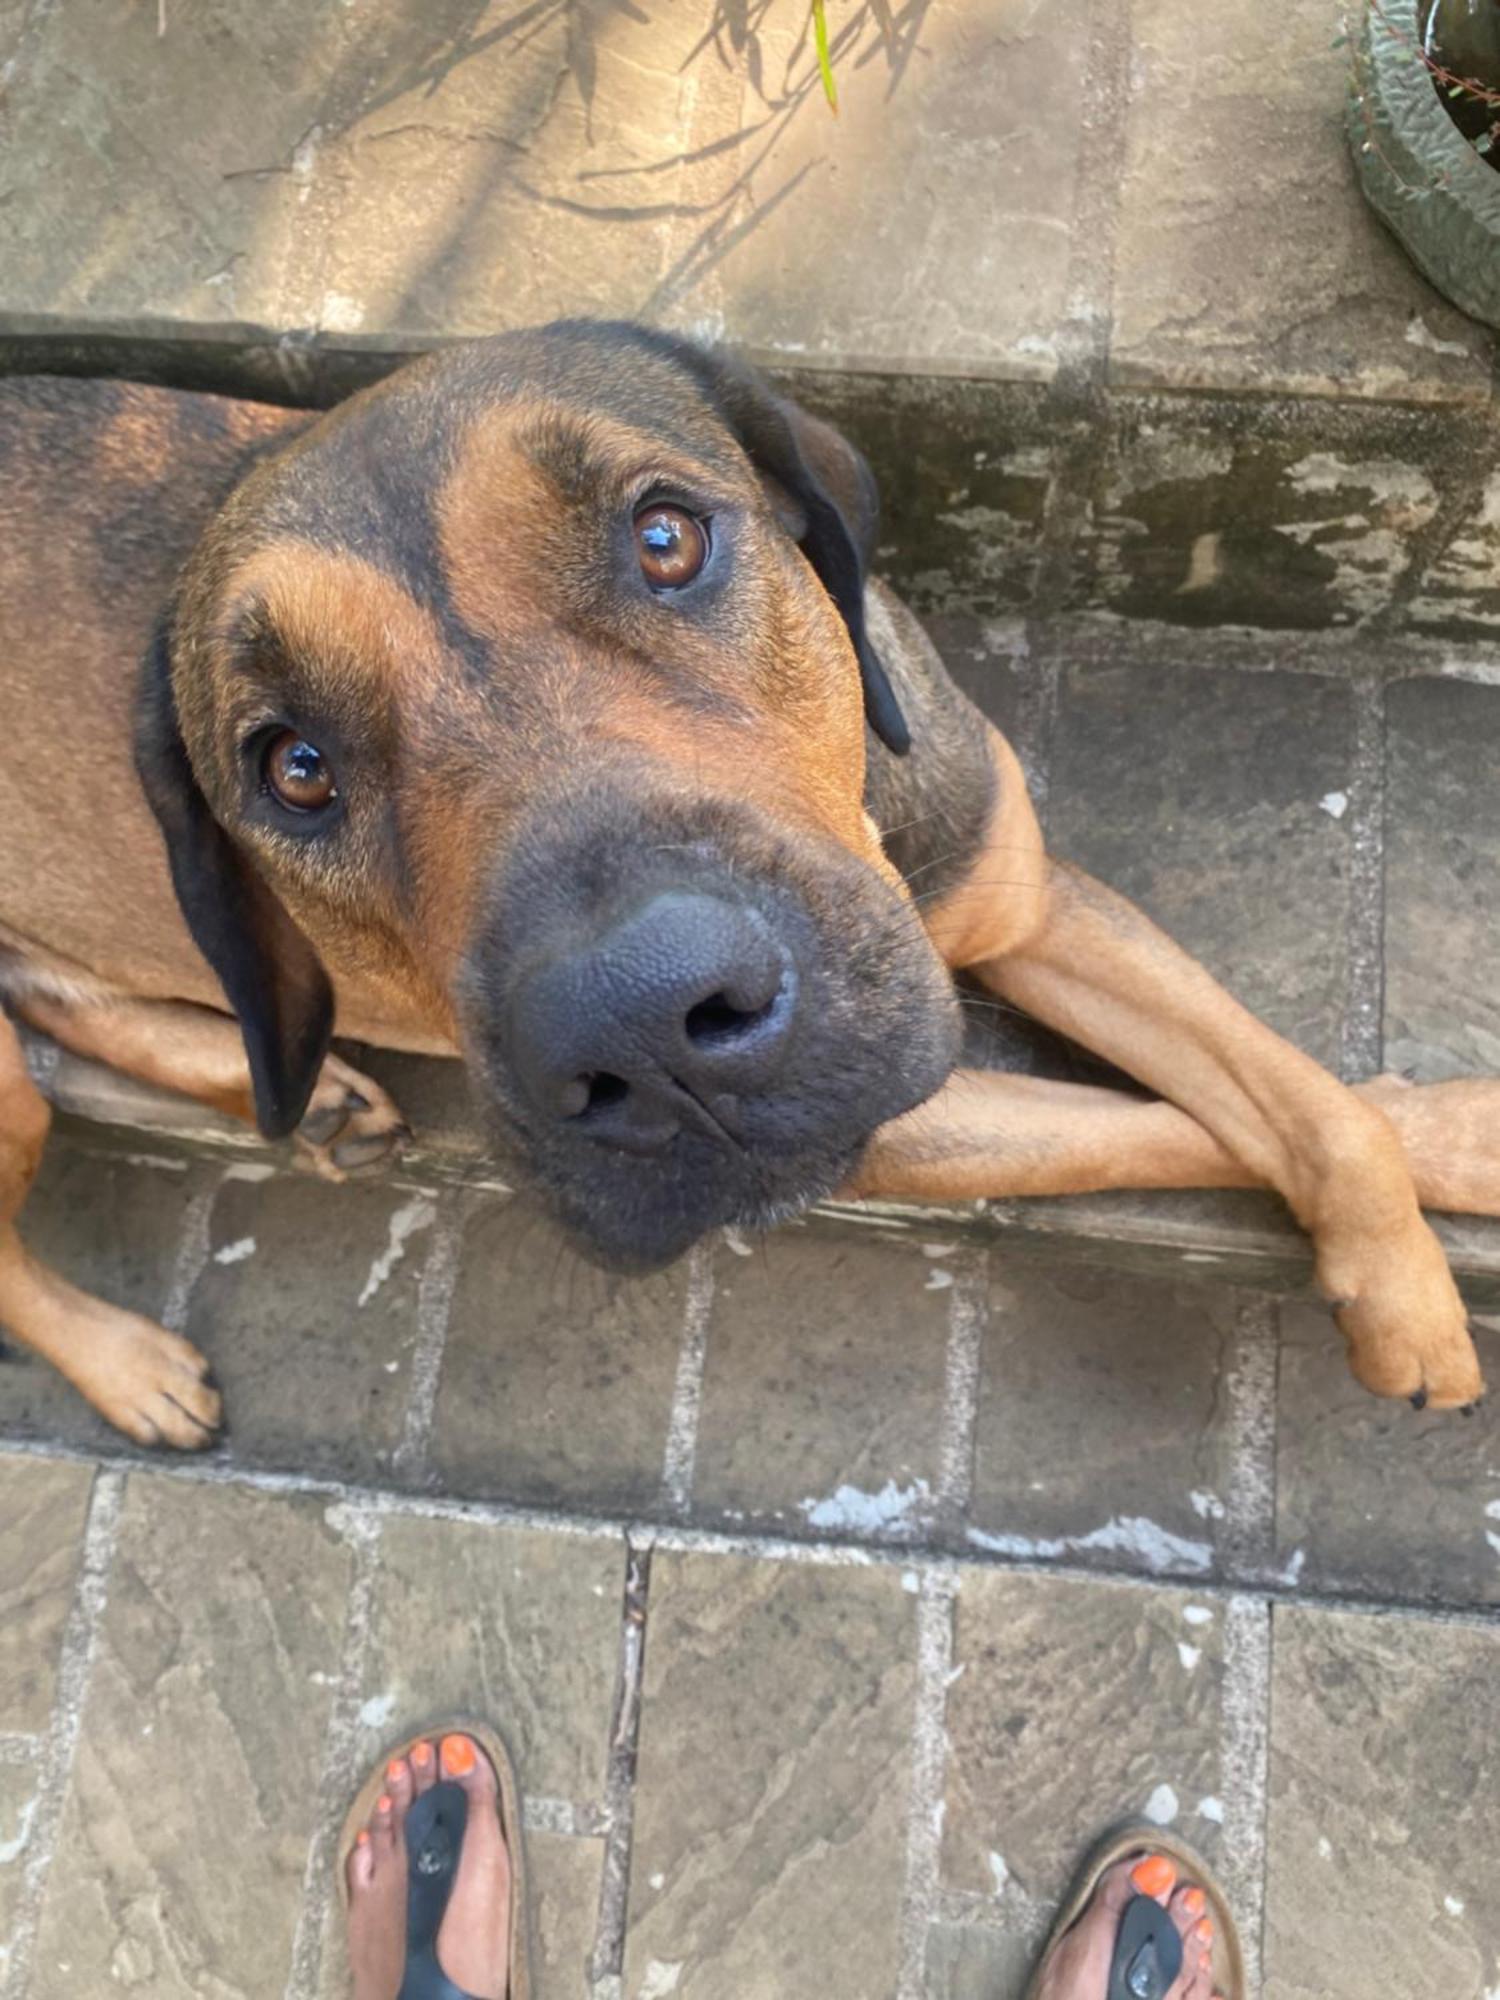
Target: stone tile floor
(832, 1590)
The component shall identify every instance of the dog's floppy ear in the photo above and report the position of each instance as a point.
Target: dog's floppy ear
(837, 510)
(269, 972)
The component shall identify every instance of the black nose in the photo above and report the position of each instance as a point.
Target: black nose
(664, 1022)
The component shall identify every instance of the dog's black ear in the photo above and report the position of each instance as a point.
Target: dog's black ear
(837, 510)
(269, 972)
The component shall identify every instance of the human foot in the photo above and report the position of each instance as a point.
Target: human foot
(1079, 1965)
(473, 1941)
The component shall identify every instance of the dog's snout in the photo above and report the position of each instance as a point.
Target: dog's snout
(668, 1019)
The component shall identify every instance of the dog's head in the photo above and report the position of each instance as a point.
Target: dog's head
(528, 693)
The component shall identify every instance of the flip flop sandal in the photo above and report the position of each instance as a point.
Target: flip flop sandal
(1148, 1949)
(434, 1837)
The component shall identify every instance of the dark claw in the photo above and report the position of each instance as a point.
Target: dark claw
(318, 1128)
(1468, 1409)
(1419, 1401)
(365, 1151)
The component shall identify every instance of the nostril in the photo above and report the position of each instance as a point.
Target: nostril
(718, 1019)
(593, 1091)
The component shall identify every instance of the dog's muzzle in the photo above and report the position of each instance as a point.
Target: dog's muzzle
(687, 1017)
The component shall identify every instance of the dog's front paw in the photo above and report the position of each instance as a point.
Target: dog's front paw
(152, 1385)
(350, 1127)
(1407, 1330)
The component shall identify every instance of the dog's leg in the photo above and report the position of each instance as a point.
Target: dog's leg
(350, 1125)
(146, 1381)
(1082, 959)
(989, 1133)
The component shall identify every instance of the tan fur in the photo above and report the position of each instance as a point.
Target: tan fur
(99, 518)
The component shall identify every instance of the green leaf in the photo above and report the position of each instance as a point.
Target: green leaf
(825, 61)
(1339, 42)
(1485, 144)
(1455, 90)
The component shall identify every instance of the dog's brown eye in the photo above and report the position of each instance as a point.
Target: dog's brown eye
(298, 773)
(671, 545)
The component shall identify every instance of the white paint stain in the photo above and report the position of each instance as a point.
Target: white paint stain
(658, 1880)
(1207, 1506)
(377, 1711)
(869, 1513)
(407, 1220)
(236, 1253)
(1000, 1872)
(1197, 1614)
(1205, 564)
(1420, 334)
(661, 1978)
(1493, 1510)
(911, 1583)
(737, 1243)
(1189, 1655)
(1211, 1808)
(1325, 1847)
(938, 1249)
(1161, 1807)
(1131, 1534)
(1335, 804)
(1293, 1569)
(1453, 1905)
(249, 1170)
(938, 1281)
(340, 314)
(1493, 1539)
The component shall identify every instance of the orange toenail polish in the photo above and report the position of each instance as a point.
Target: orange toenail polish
(1204, 1932)
(395, 1770)
(382, 1804)
(458, 1756)
(1195, 1902)
(1153, 1876)
(362, 1838)
(422, 1754)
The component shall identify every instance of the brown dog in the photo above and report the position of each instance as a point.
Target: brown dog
(536, 706)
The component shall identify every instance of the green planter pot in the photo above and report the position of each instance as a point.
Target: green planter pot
(1421, 175)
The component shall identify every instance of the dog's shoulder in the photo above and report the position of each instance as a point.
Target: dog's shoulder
(932, 806)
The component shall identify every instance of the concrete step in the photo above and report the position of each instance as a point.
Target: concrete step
(1100, 358)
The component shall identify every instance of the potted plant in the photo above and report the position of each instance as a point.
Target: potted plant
(1424, 124)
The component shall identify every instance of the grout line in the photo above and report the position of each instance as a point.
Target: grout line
(817, 1552)
(924, 1824)
(563, 1817)
(1248, 1545)
(1362, 1040)
(1105, 99)
(680, 1457)
(607, 1961)
(194, 1241)
(434, 1305)
(337, 1779)
(80, 1637)
(1245, 1721)
(966, 1322)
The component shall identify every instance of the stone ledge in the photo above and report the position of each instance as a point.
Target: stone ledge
(1245, 1240)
